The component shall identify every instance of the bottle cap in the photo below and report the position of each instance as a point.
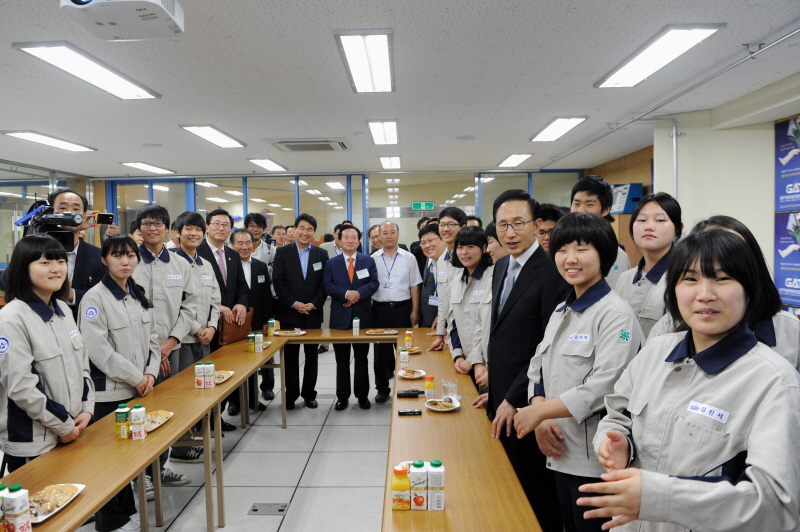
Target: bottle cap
(200, 363)
(400, 470)
(122, 406)
(419, 463)
(137, 406)
(2, 487)
(14, 487)
(428, 377)
(436, 463)
(209, 363)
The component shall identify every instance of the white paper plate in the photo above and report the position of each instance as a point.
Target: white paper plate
(230, 374)
(157, 426)
(293, 333)
(455, 403)
(41, 519)
(387, 332)
(402, 376)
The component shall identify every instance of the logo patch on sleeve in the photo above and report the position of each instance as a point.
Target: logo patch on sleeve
(91, 313)
(4, 345)
(625, 336)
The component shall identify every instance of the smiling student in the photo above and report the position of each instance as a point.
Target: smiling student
(703, 427)
(589, 341)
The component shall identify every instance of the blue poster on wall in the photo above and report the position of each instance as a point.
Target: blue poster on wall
(787, 165)
(787, 257)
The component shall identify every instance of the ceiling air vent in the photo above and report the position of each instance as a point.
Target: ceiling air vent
(306, 145)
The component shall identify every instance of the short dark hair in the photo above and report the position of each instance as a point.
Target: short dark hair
(376, 226)
(421, 221)
(117, 245)
(256, 218)
(586, 229)
(550, 213)
(218, 212)
(596, 186)
(432, 221)
(430, 228)
(350, 227)
(772, 304)
(473, 217)
(455, 213)
(666, 202)
(241, 232)
(337, 230)
(516, 195)
(189, 218)
(327, 237)
(304, 216)
(154, 211)
(716, 248)
(51, 198)
(491, 230)
(30, 249)
(276, 227)
(173, 226)
(133, 227)
(347, 222)
(473, 236)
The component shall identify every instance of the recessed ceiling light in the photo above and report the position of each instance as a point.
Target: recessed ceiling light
(162, 188)
(450, 201)
(332, 203)
(313, 192)
(391, 181)
(47, 140)
(556, 129)
(268, 164)
(142, 201)
(234, 193)
(668, 44)
(219, 200)
(149, 168)
(459, 196)
(324, 198)
(392, 196)
(514, 160)
(213, 135)
(75, 61)
(390, 163)
(287, 209)
(335, 185)
(383, 131)
(206, 184)
(340, 207)
(486, 179)
(393, 189)
(469, 189)
(301, 183)
(258, 200)
(367, 56)
(273, 204)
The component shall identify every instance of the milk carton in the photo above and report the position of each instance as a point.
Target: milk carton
(436, 485)
(403, 359)
(419, 485)
(199, 375)
(138, 432)
(208, 380)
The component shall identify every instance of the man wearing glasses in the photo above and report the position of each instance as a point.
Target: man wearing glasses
(451, 220)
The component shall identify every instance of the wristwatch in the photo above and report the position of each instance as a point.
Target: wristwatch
(459, 356)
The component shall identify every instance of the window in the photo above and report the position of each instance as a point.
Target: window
(273, 197)
(324, 198)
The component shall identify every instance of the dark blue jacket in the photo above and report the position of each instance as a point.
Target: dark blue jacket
(336, 282)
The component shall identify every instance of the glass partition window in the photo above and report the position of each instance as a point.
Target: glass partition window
(220, 194)
(324, 198)
(273, 197)
(129, 198)
(492, 185)
(555, 187)
(172, 195)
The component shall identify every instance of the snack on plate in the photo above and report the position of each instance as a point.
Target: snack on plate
(433, 403)
(381, 331)
(57, 495)
(156, 419)
(413, 350)
(222, 375)
(411, 373)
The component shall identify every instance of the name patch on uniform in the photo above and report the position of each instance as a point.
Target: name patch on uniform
(74, 333)
(477, 292)
(624, 336)
(708, 411)
(174, 276)
(362, 273)
(4, 345)
(91, 313)
(207, 277)
(262, 278)
(144, 311)
(442, 277)
(578, 337)
(317, 266)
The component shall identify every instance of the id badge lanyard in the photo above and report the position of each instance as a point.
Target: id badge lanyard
(434, 299)
(389, 283)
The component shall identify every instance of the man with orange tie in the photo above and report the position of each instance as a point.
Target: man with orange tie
(350, 279)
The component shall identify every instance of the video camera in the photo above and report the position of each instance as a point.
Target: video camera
(41, 219)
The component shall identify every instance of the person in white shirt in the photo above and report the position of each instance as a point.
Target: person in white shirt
(256, 225)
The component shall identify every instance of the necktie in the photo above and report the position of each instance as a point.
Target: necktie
(447, 255)
(513, 266)
(351, 270)
(221, 264)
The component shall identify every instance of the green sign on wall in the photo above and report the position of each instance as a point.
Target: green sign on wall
(422, 205)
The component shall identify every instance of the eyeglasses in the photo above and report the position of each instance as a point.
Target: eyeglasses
(450, 225)
(157, 225)
(543, 233)
(251, 226)
(218, 225)
(519, 225)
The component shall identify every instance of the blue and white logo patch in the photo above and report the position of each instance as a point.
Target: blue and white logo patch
(4, 345)
(91, 313)
(625, 336)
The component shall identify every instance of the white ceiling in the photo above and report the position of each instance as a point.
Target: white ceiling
(498, 70)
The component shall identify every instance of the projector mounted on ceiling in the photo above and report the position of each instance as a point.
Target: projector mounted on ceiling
(126, 20)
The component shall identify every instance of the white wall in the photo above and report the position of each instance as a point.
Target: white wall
(724, 171)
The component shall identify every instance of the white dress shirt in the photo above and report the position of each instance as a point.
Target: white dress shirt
(404, 275)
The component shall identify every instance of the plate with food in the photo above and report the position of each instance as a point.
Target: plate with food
(381, 332)
(410, 374)
(440, 405)
(157, 418)
(413, 350)
(49, 501)
(289, 332)
(221, 376)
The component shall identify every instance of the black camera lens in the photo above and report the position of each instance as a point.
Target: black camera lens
(81, 2)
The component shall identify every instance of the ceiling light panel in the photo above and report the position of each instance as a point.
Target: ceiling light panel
(258, 200)
(324, 198)
(273, 204)
(218, 200)
(559, 127)
(159, 187)
(268, 164)
(75, 61)
(383, 131)
(515, 160)
(367, 56)
(47, 140)
(486, 179)
(667, 45)
(149, 168)
(206, 184)
(335, 185)
(391, 181)
(287, 209)
(313, 192)
(390, 163)
(213, 135)
(234, 193)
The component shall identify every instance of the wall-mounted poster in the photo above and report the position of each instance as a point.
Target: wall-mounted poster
(787, 165)
(787, 257)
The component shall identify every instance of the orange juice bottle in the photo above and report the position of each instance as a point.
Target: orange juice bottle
(430, 388)
(401, 489)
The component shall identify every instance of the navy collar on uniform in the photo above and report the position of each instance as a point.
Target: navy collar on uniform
(44, 310)
(148, 256)
(182, 253)
(477, 274)
(764, 330)
(115, 289)
(595, 293)
(656, 272)
(720, 355)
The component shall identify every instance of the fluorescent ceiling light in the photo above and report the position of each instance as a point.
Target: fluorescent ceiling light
(450, 201)
(486, 179)
(384, 131)
(47, 140)
(206, 184)
(159, 187)
(234, 193)
(268, 164)
(367, 56)
(142, 201)
(149, 168)
(301, 183)
(667, 45)
(392, 181)
(332, 203)
(324, 198)
(287, 209)
(75, 61)
(392, 196)
(219, 200)
(393, 189)
(557, 128)
(258, 200)
(390, 163)
(273, 204)
(514, 160)
(313, 192)
(335, 185)
(459, 196)
(469, 189)
(340, 207)
(213, 135)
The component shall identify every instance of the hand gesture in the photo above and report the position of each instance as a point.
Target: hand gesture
(624, 489)
(481, 375)
(481, 400)
(503, 418)
(549, 438)
(438, 344)
(614, 453)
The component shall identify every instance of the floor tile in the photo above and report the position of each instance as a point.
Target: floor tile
(335, 509)
(272, 438)
(351, 438)
(237, 503)
(299, 416)
(264, 469)
(330, 470)
(353, 415)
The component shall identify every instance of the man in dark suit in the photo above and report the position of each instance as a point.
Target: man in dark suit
(416, 248)
(230, 276)
(298, 273)
(525, 290)
(350, 279)
(432, 246)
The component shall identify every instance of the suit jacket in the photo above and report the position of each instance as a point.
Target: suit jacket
(290, 286)
(517, 330)
(260, 296)
(337, 282)
(234, 291)
(416, 250)
(428, 313)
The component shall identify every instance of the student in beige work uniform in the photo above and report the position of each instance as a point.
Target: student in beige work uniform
(451, 221)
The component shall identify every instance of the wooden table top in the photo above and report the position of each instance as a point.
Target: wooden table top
(481, 489)
(334, 336)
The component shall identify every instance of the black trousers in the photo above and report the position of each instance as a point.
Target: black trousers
(568, 494)
(267, 378)
(360, 370)
(117, 511)
(394, 317)
(292, 365)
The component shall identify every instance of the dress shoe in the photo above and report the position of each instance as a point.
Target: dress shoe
(364, 403)
(261, 406)
(341, 404)
(227, 427)
(269, 395)
(233, 410)
(322, 349)
(311, 403)
(289, 406)
(381, 397)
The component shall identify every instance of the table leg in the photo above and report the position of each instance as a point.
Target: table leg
(219, 474)
(142, 488)
(207, 464)
(282, 369)
(157, 491)
(243, 402)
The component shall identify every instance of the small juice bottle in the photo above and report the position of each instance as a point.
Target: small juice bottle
(271, 327)
(403, 359)
(401, 489)
(430, 387)
(122, 418)
(208, 380)
(419, 485)
(356, 326)
(251, 342)
(199, 375)
(409, 340)
(436, 485)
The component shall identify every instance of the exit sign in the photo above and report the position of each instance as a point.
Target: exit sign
(422, 205)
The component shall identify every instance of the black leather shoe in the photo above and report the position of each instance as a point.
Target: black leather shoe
(322, 349)
(311, 403)
(382, 397)
(227, 427)
(269, 395)
(233, 410)
(341, 404)
(289, 406)
(365, 404)
(261, 407)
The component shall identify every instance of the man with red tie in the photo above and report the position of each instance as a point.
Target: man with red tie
(350, 279)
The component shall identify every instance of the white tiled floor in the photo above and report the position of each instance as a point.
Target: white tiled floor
(329, 466)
